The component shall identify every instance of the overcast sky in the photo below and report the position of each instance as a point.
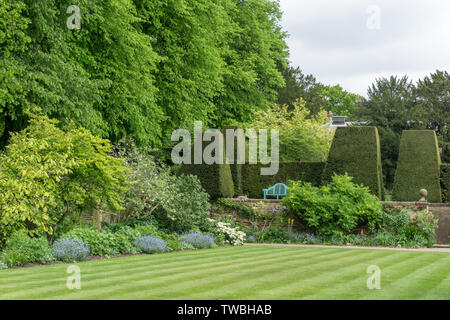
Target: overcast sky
(353, 42)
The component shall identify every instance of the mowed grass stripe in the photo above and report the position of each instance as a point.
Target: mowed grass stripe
(352, 283)
(91, 281)
(105, 264)
(219, 277)
(295, 278)
(241, 273)
(161, 279)
(258, 277)
(413, 280)
(109, 268)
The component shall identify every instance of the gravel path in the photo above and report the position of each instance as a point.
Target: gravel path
(348, 247)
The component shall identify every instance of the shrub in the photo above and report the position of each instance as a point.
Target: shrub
(274, 234)
(151, 244)
(231, 235)
(395, 222)
(177, 203)
(70, 250)
(3, 265)
(47, 174)
(186, 246)
(336, 209)
(22, 249)
(190, 207)
(103, 243)
(418, 167)
(254, 182)
(356, 151)
(198, 240)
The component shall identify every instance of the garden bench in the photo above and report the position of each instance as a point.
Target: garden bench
(277, 190)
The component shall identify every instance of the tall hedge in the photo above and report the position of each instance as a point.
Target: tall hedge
(418, 167)
(236, 169)
(445, 182)
(216, 179)
(356, 151)
(253, 182)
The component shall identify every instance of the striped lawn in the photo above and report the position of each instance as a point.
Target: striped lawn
(253, 272)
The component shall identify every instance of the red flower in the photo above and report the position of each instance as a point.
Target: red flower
(362, 232)
(420, 206)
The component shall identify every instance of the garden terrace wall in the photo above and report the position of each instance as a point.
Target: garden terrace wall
(253, 182)
(356, 151)
(418, 167)
(440, 211)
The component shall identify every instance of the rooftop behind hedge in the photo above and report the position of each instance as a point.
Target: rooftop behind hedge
(356, 151)
(418, 167)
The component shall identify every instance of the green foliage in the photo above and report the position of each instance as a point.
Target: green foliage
(303, 136)
(339, 101)
(254, 182)
(301, 86)
(178, 203)
(433, 100)
(47, 174)
(445, 182)
(101, 76)
(21, 249)
(356, 151)
(139, 67)
(389, 108)
(395, 223)
(216, 179)
(254, 50)
(235, 168)
(338, 208)
(190, 207)
(418, 167)
(105, 243)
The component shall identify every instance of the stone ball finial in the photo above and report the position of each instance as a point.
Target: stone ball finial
(423, 193)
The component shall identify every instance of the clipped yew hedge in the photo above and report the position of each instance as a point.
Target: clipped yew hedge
(216, 179)
(418, 167)
(356, 151)
(236, 169)
(253, 182)
(445, 182)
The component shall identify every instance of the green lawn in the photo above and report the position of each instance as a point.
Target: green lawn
(253, 272)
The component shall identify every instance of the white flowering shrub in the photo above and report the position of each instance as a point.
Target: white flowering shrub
(232, 235)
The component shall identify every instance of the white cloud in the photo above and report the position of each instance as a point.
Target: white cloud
(331, 40)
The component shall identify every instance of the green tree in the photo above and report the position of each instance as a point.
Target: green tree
(339, 101)
(298, 85)
(99, 76)
(48, 174)
(433, 103)
(389, 107)
(303, 137)
(254, 51)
